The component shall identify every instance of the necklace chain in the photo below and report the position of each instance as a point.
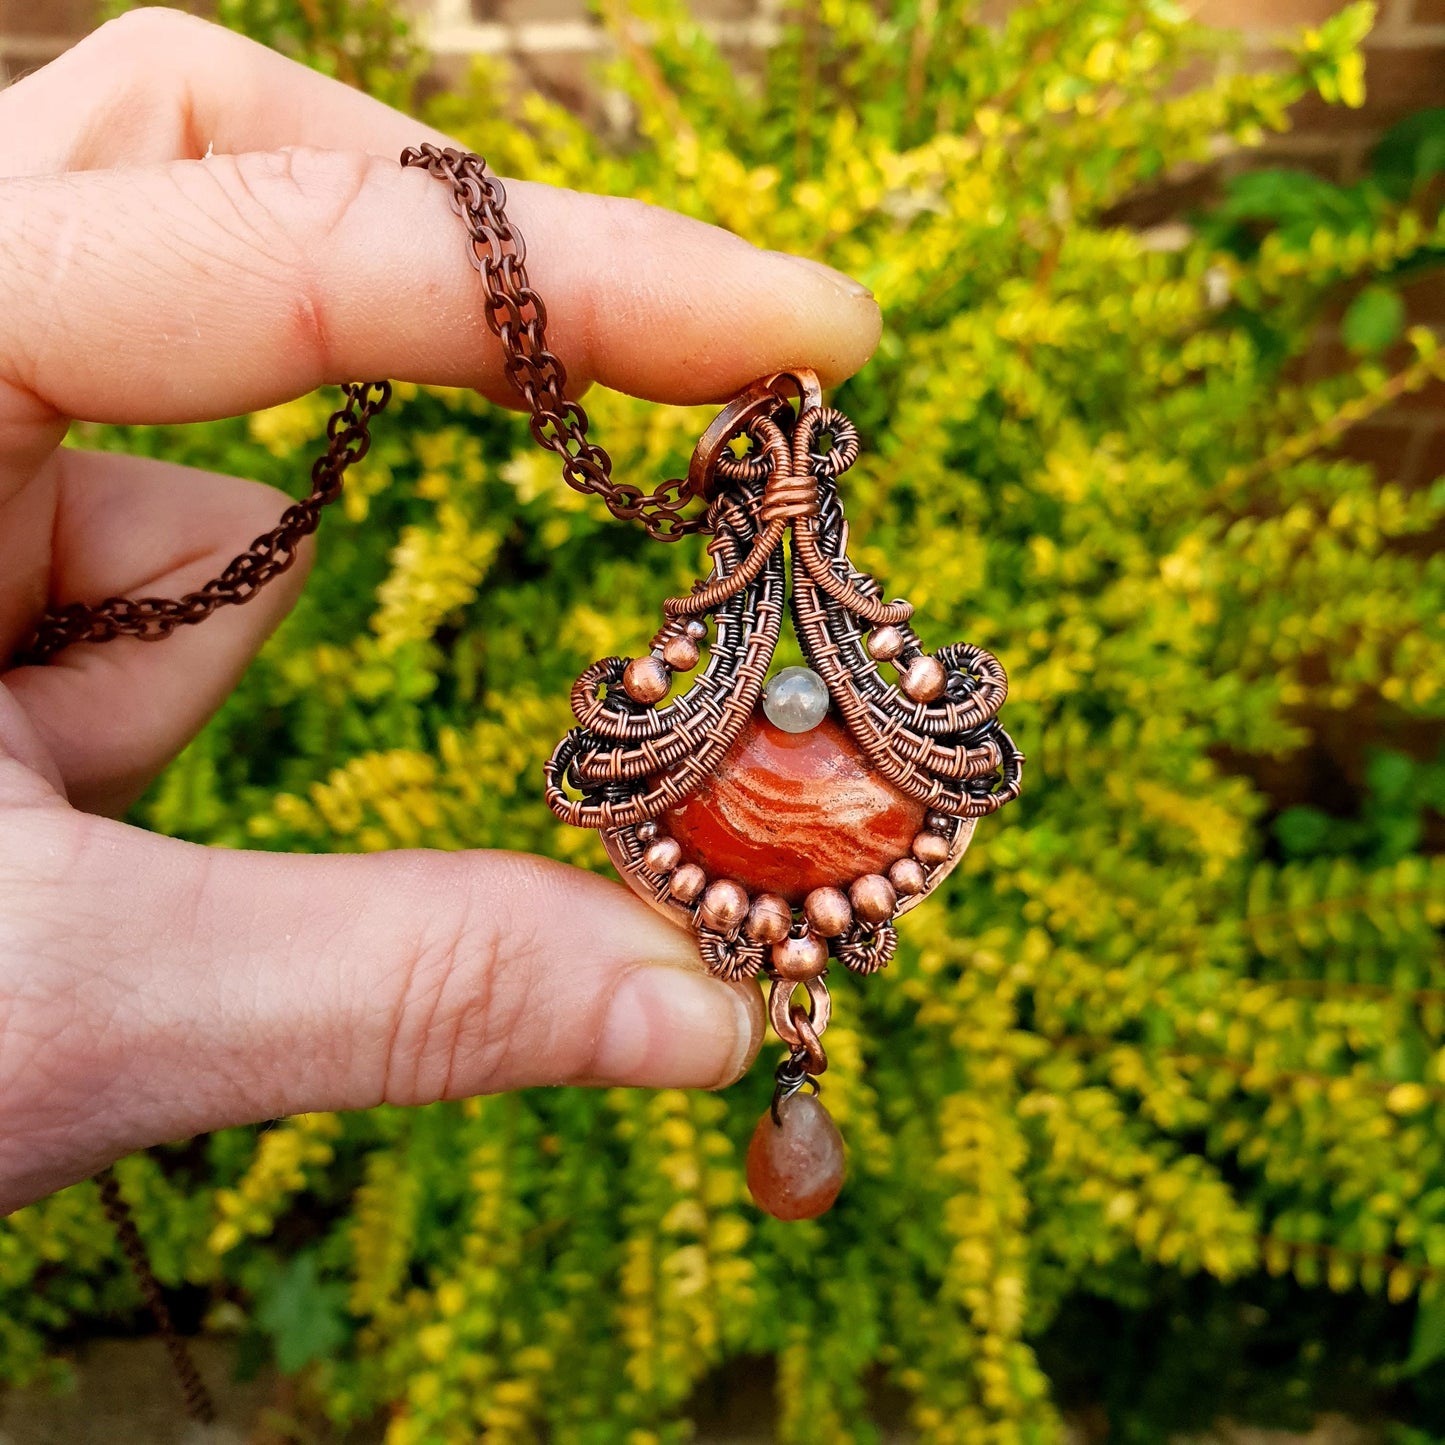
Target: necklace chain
(517, 317)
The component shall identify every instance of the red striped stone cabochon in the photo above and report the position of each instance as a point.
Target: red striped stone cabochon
(789, 812)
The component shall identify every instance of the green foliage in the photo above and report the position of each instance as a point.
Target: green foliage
(304, 1316)
(1406, 169)
(1375, 318)
(1401, 795)
(1157, 1036)
(1428, 1345)
(1412, 156)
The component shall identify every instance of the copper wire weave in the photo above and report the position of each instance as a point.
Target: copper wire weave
(627, 761)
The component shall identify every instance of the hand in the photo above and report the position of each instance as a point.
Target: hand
(164, 259)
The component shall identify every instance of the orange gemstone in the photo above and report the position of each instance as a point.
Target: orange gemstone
(796, 1168)
(789, 812)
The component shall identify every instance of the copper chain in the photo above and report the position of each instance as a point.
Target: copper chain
(151, 618)
(517, 317)
(199, 1405)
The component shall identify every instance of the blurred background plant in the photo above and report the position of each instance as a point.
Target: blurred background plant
(1147, 1115)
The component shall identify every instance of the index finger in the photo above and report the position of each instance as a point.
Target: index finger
(208, 288)
(239, 281)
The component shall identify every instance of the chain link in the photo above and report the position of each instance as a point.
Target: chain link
(271, 554)
(199, 1405)
(517, 317)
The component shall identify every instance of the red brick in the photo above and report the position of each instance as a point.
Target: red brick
(72, 18)
(995, 12)
(1167, 202)
(1334, 162)
(1328, 357)
(535, 12)
(1425, 298)
(1431, 464)
(1428, 401)
(1385, 447)
(517, 12)
(1265, 15)
(446, 73)
(562, 76)
(724, 9)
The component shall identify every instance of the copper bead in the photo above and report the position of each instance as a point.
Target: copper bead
(931, 849)
(885, 643)
(662, 855)
(696, 628)
(647, 831)
(687, 883)
(873, 898)
(924, 679)
(646, 679)
(724, 906)
(680, 653)
(828, 911)
(769, 919)
(799, 959)
(907, 876)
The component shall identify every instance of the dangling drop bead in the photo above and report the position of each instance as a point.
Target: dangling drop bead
(795, 1165)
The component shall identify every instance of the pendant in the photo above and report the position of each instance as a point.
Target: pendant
(789, 821)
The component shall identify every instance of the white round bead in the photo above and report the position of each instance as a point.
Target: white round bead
(796, 700)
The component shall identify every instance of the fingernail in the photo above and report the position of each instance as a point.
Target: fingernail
(842, 281)
(673, 1028)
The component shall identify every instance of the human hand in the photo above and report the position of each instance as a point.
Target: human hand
(163, 259)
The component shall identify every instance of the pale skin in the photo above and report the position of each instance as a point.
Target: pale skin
(192, 227)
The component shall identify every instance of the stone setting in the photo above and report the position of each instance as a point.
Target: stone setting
(787, 813)
(785, 816)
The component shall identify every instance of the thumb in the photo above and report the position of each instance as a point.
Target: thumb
(162, 989)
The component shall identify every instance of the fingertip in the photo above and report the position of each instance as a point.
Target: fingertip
(674, 1028)
(752, 1026)
(832, 321)
(841, 281)
(669, 308)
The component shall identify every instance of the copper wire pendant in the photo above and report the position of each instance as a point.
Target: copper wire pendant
(786, 829)
(792, 827)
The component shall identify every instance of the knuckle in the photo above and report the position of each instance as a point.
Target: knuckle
(141, 31)
(305, 191)
(288, 205)
(458, 990)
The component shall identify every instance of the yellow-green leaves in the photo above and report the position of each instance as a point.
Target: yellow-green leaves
(1144, 1033)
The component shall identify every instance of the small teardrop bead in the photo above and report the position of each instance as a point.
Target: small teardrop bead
(796, 1169)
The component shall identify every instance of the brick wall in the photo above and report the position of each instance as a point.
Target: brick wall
(555, 40)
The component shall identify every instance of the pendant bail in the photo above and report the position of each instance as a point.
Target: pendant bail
(759, 398)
